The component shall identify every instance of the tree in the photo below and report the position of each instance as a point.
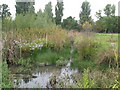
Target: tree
(113, 10)
(85, 13)
(4, 11)
(70, 23)
(59, 11)
(108, 24)
(48, 10)
(98, 14)
(42, 20)
(24, 7)
(24, 21)
(109, 10)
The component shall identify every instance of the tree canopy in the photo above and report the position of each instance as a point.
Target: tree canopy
(85, 13)
(24, 7)
(59, 11)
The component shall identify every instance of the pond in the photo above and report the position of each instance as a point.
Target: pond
(40, 77)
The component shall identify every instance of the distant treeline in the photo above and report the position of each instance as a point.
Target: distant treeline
(27, 18)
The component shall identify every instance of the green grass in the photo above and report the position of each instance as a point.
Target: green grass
(6, 77)
(46, 56)
(105, 41)
(81, 65)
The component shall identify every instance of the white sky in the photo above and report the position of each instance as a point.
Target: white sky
(71, 7)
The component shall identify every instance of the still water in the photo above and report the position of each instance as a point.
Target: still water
(40, 77)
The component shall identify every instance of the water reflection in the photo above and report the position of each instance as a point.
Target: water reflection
(41, 76)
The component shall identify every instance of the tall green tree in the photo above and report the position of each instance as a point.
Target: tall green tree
(85, 13)
(113, 10)
(4, 11)
(24, 7)
(42, 20)
(109, 10)
(59, 12)
(48, 10)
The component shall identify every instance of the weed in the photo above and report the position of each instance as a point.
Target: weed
(86, 81)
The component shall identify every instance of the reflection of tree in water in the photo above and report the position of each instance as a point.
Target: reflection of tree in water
(17, 82)
(26, 80)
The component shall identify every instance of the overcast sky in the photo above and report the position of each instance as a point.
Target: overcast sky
(71, 7)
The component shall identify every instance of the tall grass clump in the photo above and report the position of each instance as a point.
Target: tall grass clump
(86, 49)
(108, 58)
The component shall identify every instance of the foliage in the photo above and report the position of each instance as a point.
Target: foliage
(70, 24)
(56, 58)
(48, 10)
(109, 10)
(117, 82)
(24, 21)
(87, 26)
(104, 79)
(24, 7)
(47, 57)
(39, 20)
(6, 78)
(43, 20)
(86, 82)
(59, 12)
(85, 13)
(108, 58)
(24, 62)
(61, 61)
(108, 24)
(7, 24)
(81, 65)
(98, 14)
(25, 41)
(87, 48)
(4, 11)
